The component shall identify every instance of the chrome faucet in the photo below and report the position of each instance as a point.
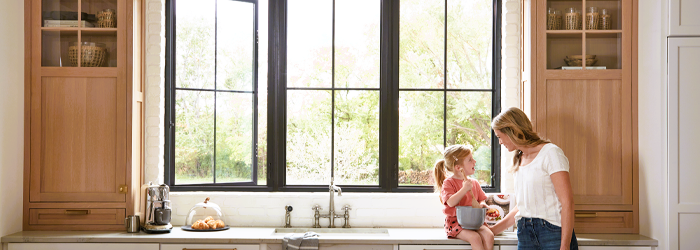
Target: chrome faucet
(331, 215)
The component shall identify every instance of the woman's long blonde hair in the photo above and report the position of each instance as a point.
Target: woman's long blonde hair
(514, 123)
(452, 155)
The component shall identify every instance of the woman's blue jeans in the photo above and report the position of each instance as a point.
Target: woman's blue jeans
(538, 234)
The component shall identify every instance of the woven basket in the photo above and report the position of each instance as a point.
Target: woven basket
(577, 60)
(91, 56)
(107, 23)
(106, 14)
(107, 19)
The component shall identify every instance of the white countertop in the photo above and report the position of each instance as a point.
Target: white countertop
(254, 235)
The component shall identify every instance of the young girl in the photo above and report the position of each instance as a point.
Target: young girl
(454, 191)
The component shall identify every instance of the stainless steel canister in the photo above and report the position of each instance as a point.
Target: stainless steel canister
(132, 224)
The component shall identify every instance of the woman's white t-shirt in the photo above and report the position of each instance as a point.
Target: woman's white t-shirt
(534, 191)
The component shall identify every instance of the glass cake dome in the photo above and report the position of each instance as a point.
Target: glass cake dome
(205, 216)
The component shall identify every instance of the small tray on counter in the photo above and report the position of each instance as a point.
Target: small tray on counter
(189, 228)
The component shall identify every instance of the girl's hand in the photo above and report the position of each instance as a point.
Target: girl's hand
(467, 184)
(483, 205)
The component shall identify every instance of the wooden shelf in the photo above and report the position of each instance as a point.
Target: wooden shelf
(603, 34)
(602, 31)
(100, 32)
(60, 28)
(88, 29)
(565, 34)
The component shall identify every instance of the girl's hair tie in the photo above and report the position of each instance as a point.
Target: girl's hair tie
(455, 158)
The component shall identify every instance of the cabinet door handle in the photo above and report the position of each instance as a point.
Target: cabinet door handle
(586, 215)
(76, 212)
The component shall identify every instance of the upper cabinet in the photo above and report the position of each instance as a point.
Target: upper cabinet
(80, 33)
(584, 34)
(583, 99)
(683, 18)
(83, 109)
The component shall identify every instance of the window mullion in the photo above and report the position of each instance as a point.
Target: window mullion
(277, 97)
(389, 97)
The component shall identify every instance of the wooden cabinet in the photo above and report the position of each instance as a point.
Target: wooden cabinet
(82, 246)
(437, 247)
(82, 114)
(591, 111)
(210, 246)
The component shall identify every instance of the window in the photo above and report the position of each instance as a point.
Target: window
(369, 100)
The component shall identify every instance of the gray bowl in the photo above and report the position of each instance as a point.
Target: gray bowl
(470, 218)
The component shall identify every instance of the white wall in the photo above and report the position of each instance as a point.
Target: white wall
(11, 115)
(652, 83)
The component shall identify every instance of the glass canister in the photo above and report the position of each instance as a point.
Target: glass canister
(573, 19)
(592, 18)
(205, 216)
(605, 20)
(557, 24)
(580, 19)
(551, 19)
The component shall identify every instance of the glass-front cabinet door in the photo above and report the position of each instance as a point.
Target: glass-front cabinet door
(585, 34)
(79, 33)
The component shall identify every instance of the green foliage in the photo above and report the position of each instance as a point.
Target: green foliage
(196, 132)
(423, 126)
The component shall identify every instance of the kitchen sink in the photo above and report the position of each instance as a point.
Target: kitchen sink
(335, 231)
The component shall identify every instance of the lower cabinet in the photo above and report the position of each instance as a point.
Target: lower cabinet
(612, 248)
(440, 247)
(354, 247)
(209, 246)
(82, 246)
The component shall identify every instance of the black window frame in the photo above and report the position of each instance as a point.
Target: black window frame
(276, 108)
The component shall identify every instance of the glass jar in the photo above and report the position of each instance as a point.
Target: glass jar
(558, 22)
(205, 216)
(551, 19)
(605, 22)
(592, 18)
(573, 19)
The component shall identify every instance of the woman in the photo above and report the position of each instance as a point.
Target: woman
(544, 201)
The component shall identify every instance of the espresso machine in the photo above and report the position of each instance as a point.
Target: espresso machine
(158, 209)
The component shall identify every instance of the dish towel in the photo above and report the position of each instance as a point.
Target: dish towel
(305, 241)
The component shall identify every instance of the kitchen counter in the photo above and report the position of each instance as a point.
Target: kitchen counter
(244, 235)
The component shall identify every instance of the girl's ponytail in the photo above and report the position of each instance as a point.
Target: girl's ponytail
(439, 175)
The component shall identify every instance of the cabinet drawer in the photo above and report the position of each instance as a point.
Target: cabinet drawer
(209, 247)
(603, 222)
(77, 216)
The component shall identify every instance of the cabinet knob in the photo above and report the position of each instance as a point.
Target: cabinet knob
(123, 189)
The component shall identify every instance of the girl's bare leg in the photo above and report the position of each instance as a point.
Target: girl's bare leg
(486, 237)
(473, 238)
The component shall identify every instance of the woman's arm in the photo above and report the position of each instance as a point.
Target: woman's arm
(562, 186)
(506, 222)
